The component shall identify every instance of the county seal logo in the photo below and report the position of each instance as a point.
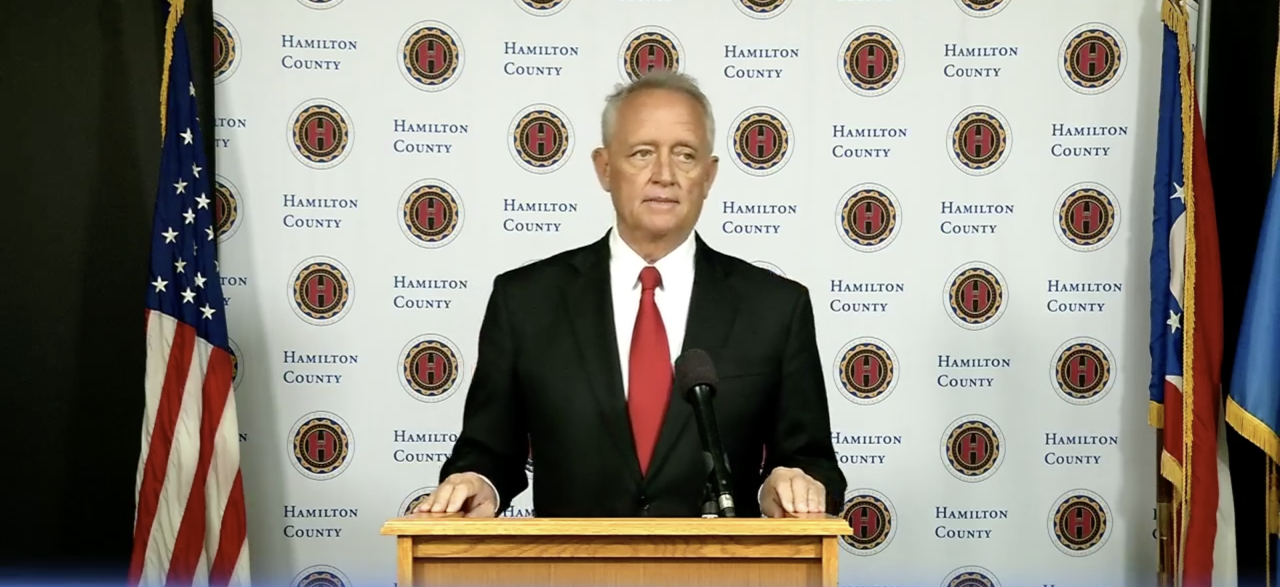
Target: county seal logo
(868, 217)
(430, 368)
(430, 213)
(414, 499)
(321, 576)
(237, 369)
(321, 291)
(866, 371)
(978, 140)
(1079, 523)
(871, 61)
(227, 208)
(1086, 216)
(762, 9)
(1093, 58)
(542, 7)
(1082, 371)
(320, 4)
(760, 140)
(321, 445)
(970, 577)
(319, 134)
(431, 56)
(872, 518)
(982, 8)
(541, 138)
(226, 49)
(975, 296)
(646, 49)
(972, 448)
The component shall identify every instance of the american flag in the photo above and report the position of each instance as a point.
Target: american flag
(189, 526)
(1186, 326)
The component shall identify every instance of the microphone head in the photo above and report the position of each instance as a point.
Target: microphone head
(694, 367)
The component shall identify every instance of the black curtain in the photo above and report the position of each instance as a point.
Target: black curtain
(1239, 126)
(81, 85)
(81, 79)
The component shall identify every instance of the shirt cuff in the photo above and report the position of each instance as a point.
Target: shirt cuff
(497, 498)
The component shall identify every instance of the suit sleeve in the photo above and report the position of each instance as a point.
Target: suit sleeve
(493, 442)
(801, 435)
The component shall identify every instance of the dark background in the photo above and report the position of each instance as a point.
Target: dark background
(81, 83)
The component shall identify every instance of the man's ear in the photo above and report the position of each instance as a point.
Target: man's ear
(600, 160)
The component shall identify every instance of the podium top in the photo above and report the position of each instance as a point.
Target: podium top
(456, 525)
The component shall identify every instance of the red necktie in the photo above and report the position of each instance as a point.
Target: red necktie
(649, 376)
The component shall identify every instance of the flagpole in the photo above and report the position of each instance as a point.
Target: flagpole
(1202, 59)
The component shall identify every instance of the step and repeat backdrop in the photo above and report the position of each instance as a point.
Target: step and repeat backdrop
(963, 185)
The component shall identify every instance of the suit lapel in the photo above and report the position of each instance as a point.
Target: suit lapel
(712, 309)
(589, 306)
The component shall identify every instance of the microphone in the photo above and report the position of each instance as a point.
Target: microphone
(695, 377)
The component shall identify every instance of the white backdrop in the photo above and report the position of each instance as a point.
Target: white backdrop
(962, 184)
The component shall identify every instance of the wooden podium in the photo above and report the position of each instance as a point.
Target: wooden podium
(451, 551)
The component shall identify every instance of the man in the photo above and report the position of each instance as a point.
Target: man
(575, 355)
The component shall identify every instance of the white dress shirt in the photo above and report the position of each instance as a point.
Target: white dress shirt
(672, 297)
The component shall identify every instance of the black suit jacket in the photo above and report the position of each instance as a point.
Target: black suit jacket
(547, 383)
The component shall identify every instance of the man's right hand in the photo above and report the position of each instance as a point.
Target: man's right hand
(462, 492)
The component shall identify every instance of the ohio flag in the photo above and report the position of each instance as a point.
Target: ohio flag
(1186, 328)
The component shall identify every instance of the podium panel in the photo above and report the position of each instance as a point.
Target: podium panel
(434, 550)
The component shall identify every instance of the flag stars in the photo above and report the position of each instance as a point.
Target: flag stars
(181, 185)
(192, 85)
(209, 230)
(1174, 321)
(202, 201)
(188, 296)
(200, 279)
(208, 312)
(186, 137)
(1178, 193)
(196, 169)
(179, 265)
(159, 284)
(169, 235)
(190, 216)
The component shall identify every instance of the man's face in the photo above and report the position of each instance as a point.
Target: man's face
(658, 165)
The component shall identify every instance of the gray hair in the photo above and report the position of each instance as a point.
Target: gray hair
(657, 79)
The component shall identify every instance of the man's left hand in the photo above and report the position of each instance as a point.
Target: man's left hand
(791, 491)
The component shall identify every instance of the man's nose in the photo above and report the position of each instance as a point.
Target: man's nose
(663, 169)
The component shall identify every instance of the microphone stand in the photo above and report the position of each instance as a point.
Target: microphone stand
(710, 509)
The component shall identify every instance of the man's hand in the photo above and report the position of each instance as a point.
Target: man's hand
(462, 492)
(791, 491)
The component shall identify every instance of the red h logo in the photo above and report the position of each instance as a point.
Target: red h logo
(1079, 522)
(869, 217)
(865, 521)
(431, 213)
(866, 370)
(870, 61)
(1087, 217)
(430, 56)
(320, 446)
(431, 367)
(651, 57)
(320, 133)
(974, 446)
(539, 139)
(761, 140)
(978, 139)
(1081, 371)
(1092, 58)
(320, 291)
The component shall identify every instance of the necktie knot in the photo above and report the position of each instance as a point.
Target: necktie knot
(650, 279)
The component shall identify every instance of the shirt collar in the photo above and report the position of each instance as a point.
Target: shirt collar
(676, 268)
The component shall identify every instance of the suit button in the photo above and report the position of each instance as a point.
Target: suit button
(644, 505)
